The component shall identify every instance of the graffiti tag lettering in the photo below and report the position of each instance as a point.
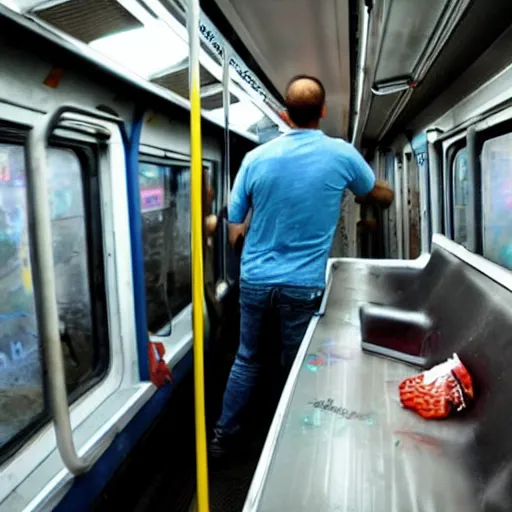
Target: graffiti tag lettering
(329, 406)
(216, 44)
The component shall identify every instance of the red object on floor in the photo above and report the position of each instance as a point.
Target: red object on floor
(158, 370)
(436, 393)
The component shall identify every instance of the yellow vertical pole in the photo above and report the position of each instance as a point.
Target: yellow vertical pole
(196, 196)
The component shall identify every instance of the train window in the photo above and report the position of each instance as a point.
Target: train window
(76, 248)
(460, 196)
(210, 186)
(165, 209)
(390, 213)
(414, 210)
(21, 388)
(496, 163)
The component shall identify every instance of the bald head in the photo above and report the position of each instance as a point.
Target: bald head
(305, 100)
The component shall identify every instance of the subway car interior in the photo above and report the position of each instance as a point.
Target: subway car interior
(108, 152)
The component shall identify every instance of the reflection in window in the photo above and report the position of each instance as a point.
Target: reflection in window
(460, 196)
(414, 208)
(242, 115)
(21, 394)
(70, 256)
(165, 205)
(497, 199)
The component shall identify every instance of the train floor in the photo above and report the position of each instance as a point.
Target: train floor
(230, 479)
(159, 474)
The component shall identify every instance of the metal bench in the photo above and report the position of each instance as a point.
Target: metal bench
(340, 439)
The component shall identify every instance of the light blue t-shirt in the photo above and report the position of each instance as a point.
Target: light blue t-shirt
(294, 185)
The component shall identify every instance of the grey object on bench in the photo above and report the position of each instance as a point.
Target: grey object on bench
(396, 333)
(340, 439)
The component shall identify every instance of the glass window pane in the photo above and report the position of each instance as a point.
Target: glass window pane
(390, 213)
(460, 196)
(70, 255)
(21, 393)
(497, 199)
(21, 389)
(165, 205)
(181, 293)
(414, 209)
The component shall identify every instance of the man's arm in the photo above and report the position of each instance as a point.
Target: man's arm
(238, 208)
(364, 185)
(381, 194)
(239, 229)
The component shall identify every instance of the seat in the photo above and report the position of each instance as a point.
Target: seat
(344, 442)
(396, 333)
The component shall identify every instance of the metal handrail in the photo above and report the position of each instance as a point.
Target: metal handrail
(364, 25)
(44, 280)
(226, 185)
(196, 224)
(392, 86)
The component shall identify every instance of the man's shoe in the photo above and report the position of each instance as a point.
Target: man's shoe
(218, 448)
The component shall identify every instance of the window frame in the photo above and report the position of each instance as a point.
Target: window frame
(421, 158)
(436, 185)
(164, 162)
(105, 408)
(451, 148)
(88, 158)
(494, 125)
(485, 131)
(158, 156)
(456, 149)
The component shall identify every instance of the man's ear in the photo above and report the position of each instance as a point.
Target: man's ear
(286, 118)
(323, 114)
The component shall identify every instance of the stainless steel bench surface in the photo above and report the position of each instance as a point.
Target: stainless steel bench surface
(340, 440)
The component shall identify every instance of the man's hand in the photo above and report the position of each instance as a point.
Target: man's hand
(368, 224)
(239, 230)
(210, 225)
(235, 232)
(382, 195)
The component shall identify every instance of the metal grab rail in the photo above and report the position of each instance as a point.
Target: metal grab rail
(44, 280)
(226, 184)
(196, 223)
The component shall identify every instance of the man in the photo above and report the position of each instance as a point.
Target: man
(294, 186)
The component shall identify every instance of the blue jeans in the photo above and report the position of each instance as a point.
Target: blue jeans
(295, 306)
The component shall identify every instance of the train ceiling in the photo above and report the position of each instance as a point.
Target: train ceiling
(290, 37)
(424, 46)
(414, 50)
(131, 34)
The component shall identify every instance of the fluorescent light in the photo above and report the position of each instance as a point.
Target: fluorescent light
(11, 4)
(242, 115)
(146, 50)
